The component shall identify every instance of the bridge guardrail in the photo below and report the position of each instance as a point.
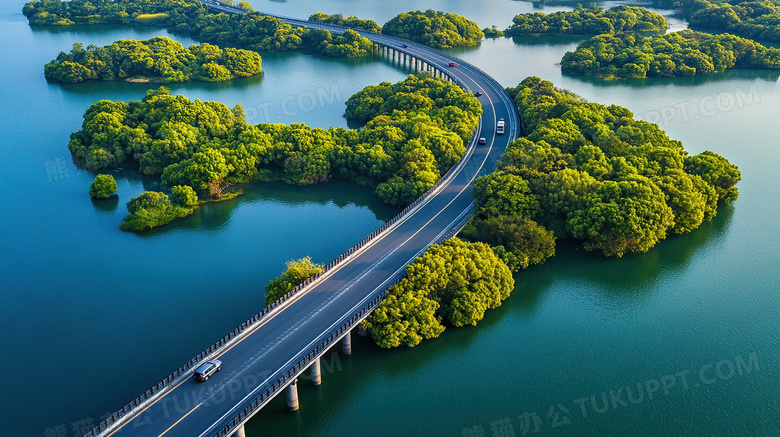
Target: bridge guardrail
(328, 339)
(184, 369)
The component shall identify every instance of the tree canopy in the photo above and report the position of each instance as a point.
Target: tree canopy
(751, 19)
(252, 30)
(435, 29)
(152, 208)
(592, 20)
(351, 22)
(416, 131)
(684, 53)
(103, 187)
(159, 59)
(454, 282)
(592, 173)
(297, 272)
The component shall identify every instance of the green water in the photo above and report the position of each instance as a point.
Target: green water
(93, 316)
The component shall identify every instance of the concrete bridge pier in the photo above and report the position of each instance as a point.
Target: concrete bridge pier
(239, 432)
(346, 343)
(316, 372)
(292, 395)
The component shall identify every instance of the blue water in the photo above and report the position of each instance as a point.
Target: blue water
(93, 316)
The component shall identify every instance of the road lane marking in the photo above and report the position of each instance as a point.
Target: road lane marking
(378, 239)
(382, 284)
(182, 418)
(135, 415)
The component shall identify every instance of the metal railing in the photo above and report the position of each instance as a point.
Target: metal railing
(184, 370)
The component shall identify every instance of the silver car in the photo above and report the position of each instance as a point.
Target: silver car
(205, 370)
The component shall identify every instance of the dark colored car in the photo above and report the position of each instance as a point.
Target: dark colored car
(478, 93)
(481, 141)
(205, 370)
(406, 46)
(452, 64)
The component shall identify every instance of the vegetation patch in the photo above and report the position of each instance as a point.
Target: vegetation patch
(588, 21)
(157, 59)
(752, 19)
(434, 29)
(297, 272)
(252, 30)
(152, 209)
(453, 283)
(415, 130)
(351, 22)
(593, 173)
(685, 53)
(103, 187)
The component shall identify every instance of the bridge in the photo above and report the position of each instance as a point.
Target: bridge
(266, 354)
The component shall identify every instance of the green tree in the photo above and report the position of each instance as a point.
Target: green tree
(152, 209)
(455, 281)
(205, 171)
(519, 242)
(620, 217)
(103, 187)
(297, 272)
(717, 171)
(502, 193)
(184, 195)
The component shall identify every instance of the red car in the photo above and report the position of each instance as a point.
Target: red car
(452, 64)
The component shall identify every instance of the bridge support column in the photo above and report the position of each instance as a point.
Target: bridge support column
(239, 432)
(316, 373)
(292, 395)
(346, 343)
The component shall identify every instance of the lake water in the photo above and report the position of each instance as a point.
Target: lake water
(92, 316)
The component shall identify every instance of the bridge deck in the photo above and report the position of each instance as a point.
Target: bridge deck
(255, 360)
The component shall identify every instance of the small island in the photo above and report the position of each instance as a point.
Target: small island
(435, 29)
(593, 173)
(351, 22)
(758, 20)
(414, 132)
(252, 30)
(152, 208)
(588, 21)
(156, 60)
(684, 53)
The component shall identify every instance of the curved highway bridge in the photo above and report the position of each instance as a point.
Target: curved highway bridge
(266, 354)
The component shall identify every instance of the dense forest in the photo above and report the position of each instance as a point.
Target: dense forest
(585, 171)
(253, 31)
(593, 173)
(434, 29)
(588, 21)
(416, 129)
(168, 13)
(158, 59)
(684, 53)
(752, 19)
